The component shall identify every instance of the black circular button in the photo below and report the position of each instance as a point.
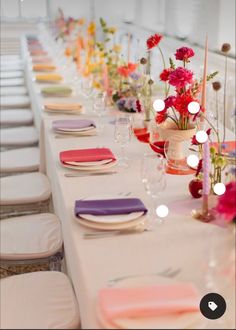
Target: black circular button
(212, 306)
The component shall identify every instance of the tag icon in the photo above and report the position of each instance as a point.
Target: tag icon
(212, 305)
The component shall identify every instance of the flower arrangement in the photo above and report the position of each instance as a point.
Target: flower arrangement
(185, 89)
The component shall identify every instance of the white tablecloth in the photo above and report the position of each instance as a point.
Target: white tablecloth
(180, 242)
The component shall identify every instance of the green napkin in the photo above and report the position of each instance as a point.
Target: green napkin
(57, 91)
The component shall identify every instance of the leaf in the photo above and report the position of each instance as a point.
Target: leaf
(212, 75)
(102, 22)
(172, 65)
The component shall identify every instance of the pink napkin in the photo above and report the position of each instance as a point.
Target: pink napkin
(86, 155)
(148, 301)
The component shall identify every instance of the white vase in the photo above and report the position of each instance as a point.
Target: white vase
(169, 132)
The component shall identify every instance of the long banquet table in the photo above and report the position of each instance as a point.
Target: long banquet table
(180, 242)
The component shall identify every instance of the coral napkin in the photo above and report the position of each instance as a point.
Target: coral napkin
(109, 206)
(48, 77)
(86, 155)
(72, 124)
(44, 67)
(162, 299)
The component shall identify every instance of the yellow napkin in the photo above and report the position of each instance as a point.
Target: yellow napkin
(48, 77)
(62, 106)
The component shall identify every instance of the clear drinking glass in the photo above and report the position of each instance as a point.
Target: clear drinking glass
(153, 173)
(123, 136)
(99, 108)
(87, 87)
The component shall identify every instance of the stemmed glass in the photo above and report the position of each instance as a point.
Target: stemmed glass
(99, 108)
(153, 172)
(87, 89)
(123, 136)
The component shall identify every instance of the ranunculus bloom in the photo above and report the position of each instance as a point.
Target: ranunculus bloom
(226, 203)
(184, 53)
(126, 70)
(164, 76)
(161, 116)
(139, 107)
(153, 41)
(180, 77)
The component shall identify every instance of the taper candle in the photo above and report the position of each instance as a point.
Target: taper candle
(204, 79)
(128, 50)
(105, 79)
(206, 176)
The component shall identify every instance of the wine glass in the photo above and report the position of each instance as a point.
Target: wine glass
(99, 108)
(153, 172)
(123, 136)
(87, 87)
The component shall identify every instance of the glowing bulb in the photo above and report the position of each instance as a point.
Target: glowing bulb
(193, 107)
(158, 105)
(219, 188)
(192, 161)
(201, 136)
(162, 211)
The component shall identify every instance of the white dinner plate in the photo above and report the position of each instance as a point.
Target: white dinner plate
(97, 163)
(89, 168)
(84, 133)
(191, 320)
(89, 128)
(112, 226)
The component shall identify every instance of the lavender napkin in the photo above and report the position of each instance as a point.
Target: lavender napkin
(72, 124)
(109, 206)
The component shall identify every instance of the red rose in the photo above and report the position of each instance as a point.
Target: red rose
(153, 41)
(164, 76)
(180, 77)
(161, 116)
(184, 53)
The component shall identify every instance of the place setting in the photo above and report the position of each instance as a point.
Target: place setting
(110, 215)
(92, 161)
(69, 108)
(73, 127)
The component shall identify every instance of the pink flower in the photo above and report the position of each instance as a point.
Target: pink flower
(226, 203)
(184, 53)
(180, 77)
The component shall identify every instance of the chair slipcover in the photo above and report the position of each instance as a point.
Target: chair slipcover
(12, 82)
(11, 74)
(30, 237)
(18, 90)
(17, 117)
(14, 101)
(24, 189)
(19, 136)
(19, 160)
(39, 300)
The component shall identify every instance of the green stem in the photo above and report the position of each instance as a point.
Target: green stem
(217, 135)
(225, 86)
(175, 121)
(162, 56)
(217, 113)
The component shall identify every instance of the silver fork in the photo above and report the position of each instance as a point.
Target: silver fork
(168, 272)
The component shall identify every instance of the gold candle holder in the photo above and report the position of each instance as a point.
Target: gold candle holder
(204, 214)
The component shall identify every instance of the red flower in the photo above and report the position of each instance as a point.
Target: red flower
(180, 77)
(154, 40)
(199, 167)
(126, 70)
(184, 53)
(169, 102)
(164, 76)
(181, 103)
(161, 116)
(226, 203)
(138, 106)
(194, 140)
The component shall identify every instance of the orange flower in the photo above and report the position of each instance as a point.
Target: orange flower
(126, 70)
(68, 52)
(91, 29)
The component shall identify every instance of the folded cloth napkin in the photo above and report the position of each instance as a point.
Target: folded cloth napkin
(109, 206)
(62, 106)
(43, 67)
(72, 124)
(38, 52)
(42, 60)
(86, 155)
(158, 300)
(48, 77)
(57, 91)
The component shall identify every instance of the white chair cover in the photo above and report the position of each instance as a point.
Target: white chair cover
(16, 234)
(39, 300)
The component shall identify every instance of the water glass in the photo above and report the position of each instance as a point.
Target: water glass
(123, 136)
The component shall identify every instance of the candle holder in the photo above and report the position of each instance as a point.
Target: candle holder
(204, 214)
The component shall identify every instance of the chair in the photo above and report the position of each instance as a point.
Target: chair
(24, 194)
(18, 137)
(21, 160)
(12, 82)
(15, 90)
(14, 101)
(39, 300)
(30, 243)
(16, 117)
(11, 74)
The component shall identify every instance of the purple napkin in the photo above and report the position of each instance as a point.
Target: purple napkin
(72, 124)
(109, 206)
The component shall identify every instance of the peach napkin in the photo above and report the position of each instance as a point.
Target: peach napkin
(63, 106)
(48, 77)
(158, 300)
(44, 67)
